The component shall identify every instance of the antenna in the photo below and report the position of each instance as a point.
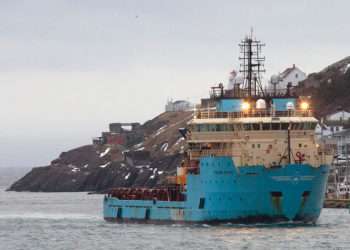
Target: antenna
(252, 65)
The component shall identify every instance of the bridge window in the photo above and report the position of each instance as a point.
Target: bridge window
(310, 125)
(307, 125)
(266, 126)
(256, 126)
(212, 127)
(275, 126)
(313, 125)
(284, 126)
(238, 126)
(229, 127)
(253, 126)
(295, 126)
(224, 127)
(246, 126)
(203, 128)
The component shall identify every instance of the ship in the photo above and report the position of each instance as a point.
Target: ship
(251, 157)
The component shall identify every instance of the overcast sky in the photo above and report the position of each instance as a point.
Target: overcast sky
(68, 68)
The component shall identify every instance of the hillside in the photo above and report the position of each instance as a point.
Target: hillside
(149, 159)
(99, 167)
(329, 88)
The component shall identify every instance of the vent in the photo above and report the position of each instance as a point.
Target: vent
(119, 213)
(276, 194)
(201, 203)
(306, 194)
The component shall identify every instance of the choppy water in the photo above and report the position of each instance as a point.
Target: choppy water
(74, 221)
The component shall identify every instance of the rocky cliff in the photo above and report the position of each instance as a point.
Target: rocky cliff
(329, 88)
(99, 167)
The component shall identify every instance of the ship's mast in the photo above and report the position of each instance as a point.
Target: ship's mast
(252, 65)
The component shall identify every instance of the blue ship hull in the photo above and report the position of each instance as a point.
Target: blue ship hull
(223, 193)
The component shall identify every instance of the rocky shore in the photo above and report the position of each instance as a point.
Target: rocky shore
(100, 167)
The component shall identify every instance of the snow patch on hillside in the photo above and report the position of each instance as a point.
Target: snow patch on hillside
(137, 145)
(105, 152)
(345, 68)
(160, 130)
(164, 147)
(104, 165)
(75, 170)
(179, 140)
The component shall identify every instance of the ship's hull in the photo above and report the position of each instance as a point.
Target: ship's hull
(223, 193)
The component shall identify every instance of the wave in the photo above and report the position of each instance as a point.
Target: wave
(50, 216)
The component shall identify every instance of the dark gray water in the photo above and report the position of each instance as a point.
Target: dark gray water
(74, 221)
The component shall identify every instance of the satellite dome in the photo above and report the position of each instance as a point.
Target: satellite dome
(260, 104)
(274, 79)
(290, 106)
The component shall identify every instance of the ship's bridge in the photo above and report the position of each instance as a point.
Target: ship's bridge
(256, 132)
(235, 108)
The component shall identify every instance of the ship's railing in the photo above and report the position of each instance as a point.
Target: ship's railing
(170, 193)
(195, 154)
(210, 114)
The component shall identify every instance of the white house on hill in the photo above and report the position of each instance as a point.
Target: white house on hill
(339, 116)
(292, 76)
(179, 105)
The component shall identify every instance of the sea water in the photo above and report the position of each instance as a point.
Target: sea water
(74, 221)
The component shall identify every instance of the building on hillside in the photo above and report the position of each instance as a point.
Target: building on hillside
(339, 116)
(328, 129)
(333, 123)
(335, 130)
(291, 76)
(180, 105)
(125, 134)
(343, 143)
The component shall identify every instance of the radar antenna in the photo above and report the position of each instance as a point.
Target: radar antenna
(252, 65)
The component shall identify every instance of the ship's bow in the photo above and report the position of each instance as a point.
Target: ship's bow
(297, 191)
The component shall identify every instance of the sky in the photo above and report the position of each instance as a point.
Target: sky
(69, 68)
